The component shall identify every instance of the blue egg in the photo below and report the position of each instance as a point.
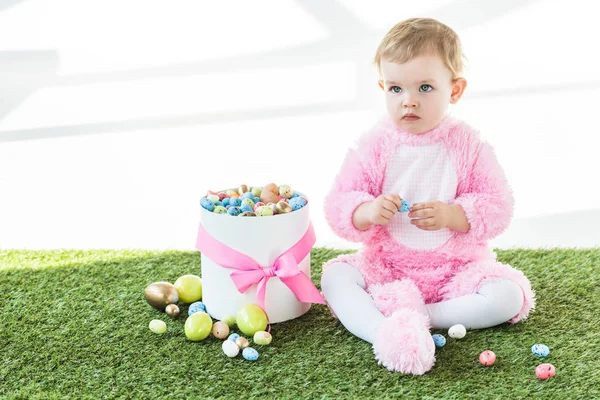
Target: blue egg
(250, 354)
(297, 203)
(219, 203)
(233, 337)
(236, 201)
(256, 199)
(247, 195)
(405, 206)
(540, 350)
(246, 207)
(235, 211)
(196, 307)
(294, 196)
(226, 201)
(439, 340)
(207, 204)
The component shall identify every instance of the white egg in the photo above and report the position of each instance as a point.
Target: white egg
(157, 326)
(230, 348)
(457, 331)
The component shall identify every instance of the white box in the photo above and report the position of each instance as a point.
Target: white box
(262, 239)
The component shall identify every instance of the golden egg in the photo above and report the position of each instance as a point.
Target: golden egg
(220, 330)
(161, 294)
(243, 189)
(271, 187)
(283, 207)
(172, 310)
(242, 342)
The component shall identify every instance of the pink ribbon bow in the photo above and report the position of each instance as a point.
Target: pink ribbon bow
(249, 272)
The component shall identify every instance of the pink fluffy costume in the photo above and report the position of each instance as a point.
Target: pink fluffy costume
(405, 268)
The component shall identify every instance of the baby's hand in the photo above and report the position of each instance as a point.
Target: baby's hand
(432, 216)
(383, 208)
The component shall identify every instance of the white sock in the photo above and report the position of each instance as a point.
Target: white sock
(344, 289)
(493, 304)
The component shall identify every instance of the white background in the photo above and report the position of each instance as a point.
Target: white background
(117, 116)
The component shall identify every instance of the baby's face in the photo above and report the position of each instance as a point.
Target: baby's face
(417, 93)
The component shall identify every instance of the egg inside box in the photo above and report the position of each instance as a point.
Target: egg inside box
(262, 239)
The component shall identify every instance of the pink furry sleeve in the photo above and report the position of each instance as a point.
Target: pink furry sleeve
(487, 201)
(352, 187)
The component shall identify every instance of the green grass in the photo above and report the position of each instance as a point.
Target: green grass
(75, 324)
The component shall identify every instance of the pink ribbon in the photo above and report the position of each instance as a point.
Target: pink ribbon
(249, 272)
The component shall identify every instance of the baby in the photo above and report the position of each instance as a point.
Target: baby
(431, 267)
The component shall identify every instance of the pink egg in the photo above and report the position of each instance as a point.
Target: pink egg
(221, 195)
(259, 204)
(545, 371)
(487, 358)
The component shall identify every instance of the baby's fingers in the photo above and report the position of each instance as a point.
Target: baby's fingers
(395, 199)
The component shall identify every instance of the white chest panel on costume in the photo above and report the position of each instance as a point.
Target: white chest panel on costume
(420, 174)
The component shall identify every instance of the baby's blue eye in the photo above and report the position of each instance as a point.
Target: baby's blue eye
(425, 88)
(396, 89)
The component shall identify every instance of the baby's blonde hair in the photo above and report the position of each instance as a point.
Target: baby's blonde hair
(417, 36)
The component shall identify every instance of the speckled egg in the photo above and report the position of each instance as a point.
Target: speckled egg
(404, 206)
(230, 349)
(157, 326)
(283, 207)
(256, 200)
(457, 331)
(228, 319)
(221, 195)
(219, 210)
(545, 371)
(271, 187)
(540, 350)
(246, 195)
(213, 197)
(487, 358)
(439, 340)
(258, 204)
(248, 202)
(264, 211)
(246, 208)
(207, 204)
(196, 307)
(250, 354)
(256, 191)
(243, 189)
(233, 337)
(262, 338)
(225, 201)
(297, 203)
(235, 211)
(294, 196)
(247, 214)
(286, 191)
(220, 330)
(242, 342)
(235, 202)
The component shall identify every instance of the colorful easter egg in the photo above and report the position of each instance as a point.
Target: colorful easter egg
(457, 331)
(225, 201)
(228, 319)
(262, 338)
(269, 197)
(247, 214)
(487, 358)
(207, 204)
(233, 337)
(220, 330)
(259, 204)
(198, 326)
(213, 197)
(250, 354)
(172, 310)
(286, 191)
(439, 340)
(235, 211)
(545, 371)
(157, 326)
(247, 195)
(251, 319)
(405, 206)
(221, 195)
(230, 348)
(297, 203)
(243, 189)
(249, 202)
(271, 187)
(256, 191)
(256, 199)
(195, 307)
(220, 210)
(283, 207)
(246, 208)
(540, 350)
(235, 202)
(242, 342)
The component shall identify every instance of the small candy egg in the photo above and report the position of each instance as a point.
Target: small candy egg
(219, 203)
(195, 307)
(233, 337)
(439, 340)
(405, 206)
(457, 331)
(234, 196)
(487, 358)
(249, 202)
(286, 191)
(284, 199)
(235, 211)
(226, 201)
(220, 330)
(258, 204)
(269, 197)
(271, 187)
(545, 371)
(220, 210)
(246, 195)
(231, 193)
(207, 204)
(294, 196)
(283, 207)
(264, 211)
(243, 189)
(213, 197)
(221, 195)
(242, 342)
(228, 319)
(256, 191)
(540, 350)
(250, 354)
(256, 199)
(172, 310)
(235, 202)
(230, 349)
(246, 208)
(297, 203)
(273, 207)
(247, 214)
(157, 326)
(262, 338)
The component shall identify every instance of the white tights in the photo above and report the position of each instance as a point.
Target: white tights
(344, 289)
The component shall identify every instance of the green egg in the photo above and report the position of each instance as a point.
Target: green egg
(213, 197)
(220, 210)
(264, 211)
(256, 191)
(250, 202)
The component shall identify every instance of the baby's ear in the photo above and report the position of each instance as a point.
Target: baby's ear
(458, 89)
(380, 83)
